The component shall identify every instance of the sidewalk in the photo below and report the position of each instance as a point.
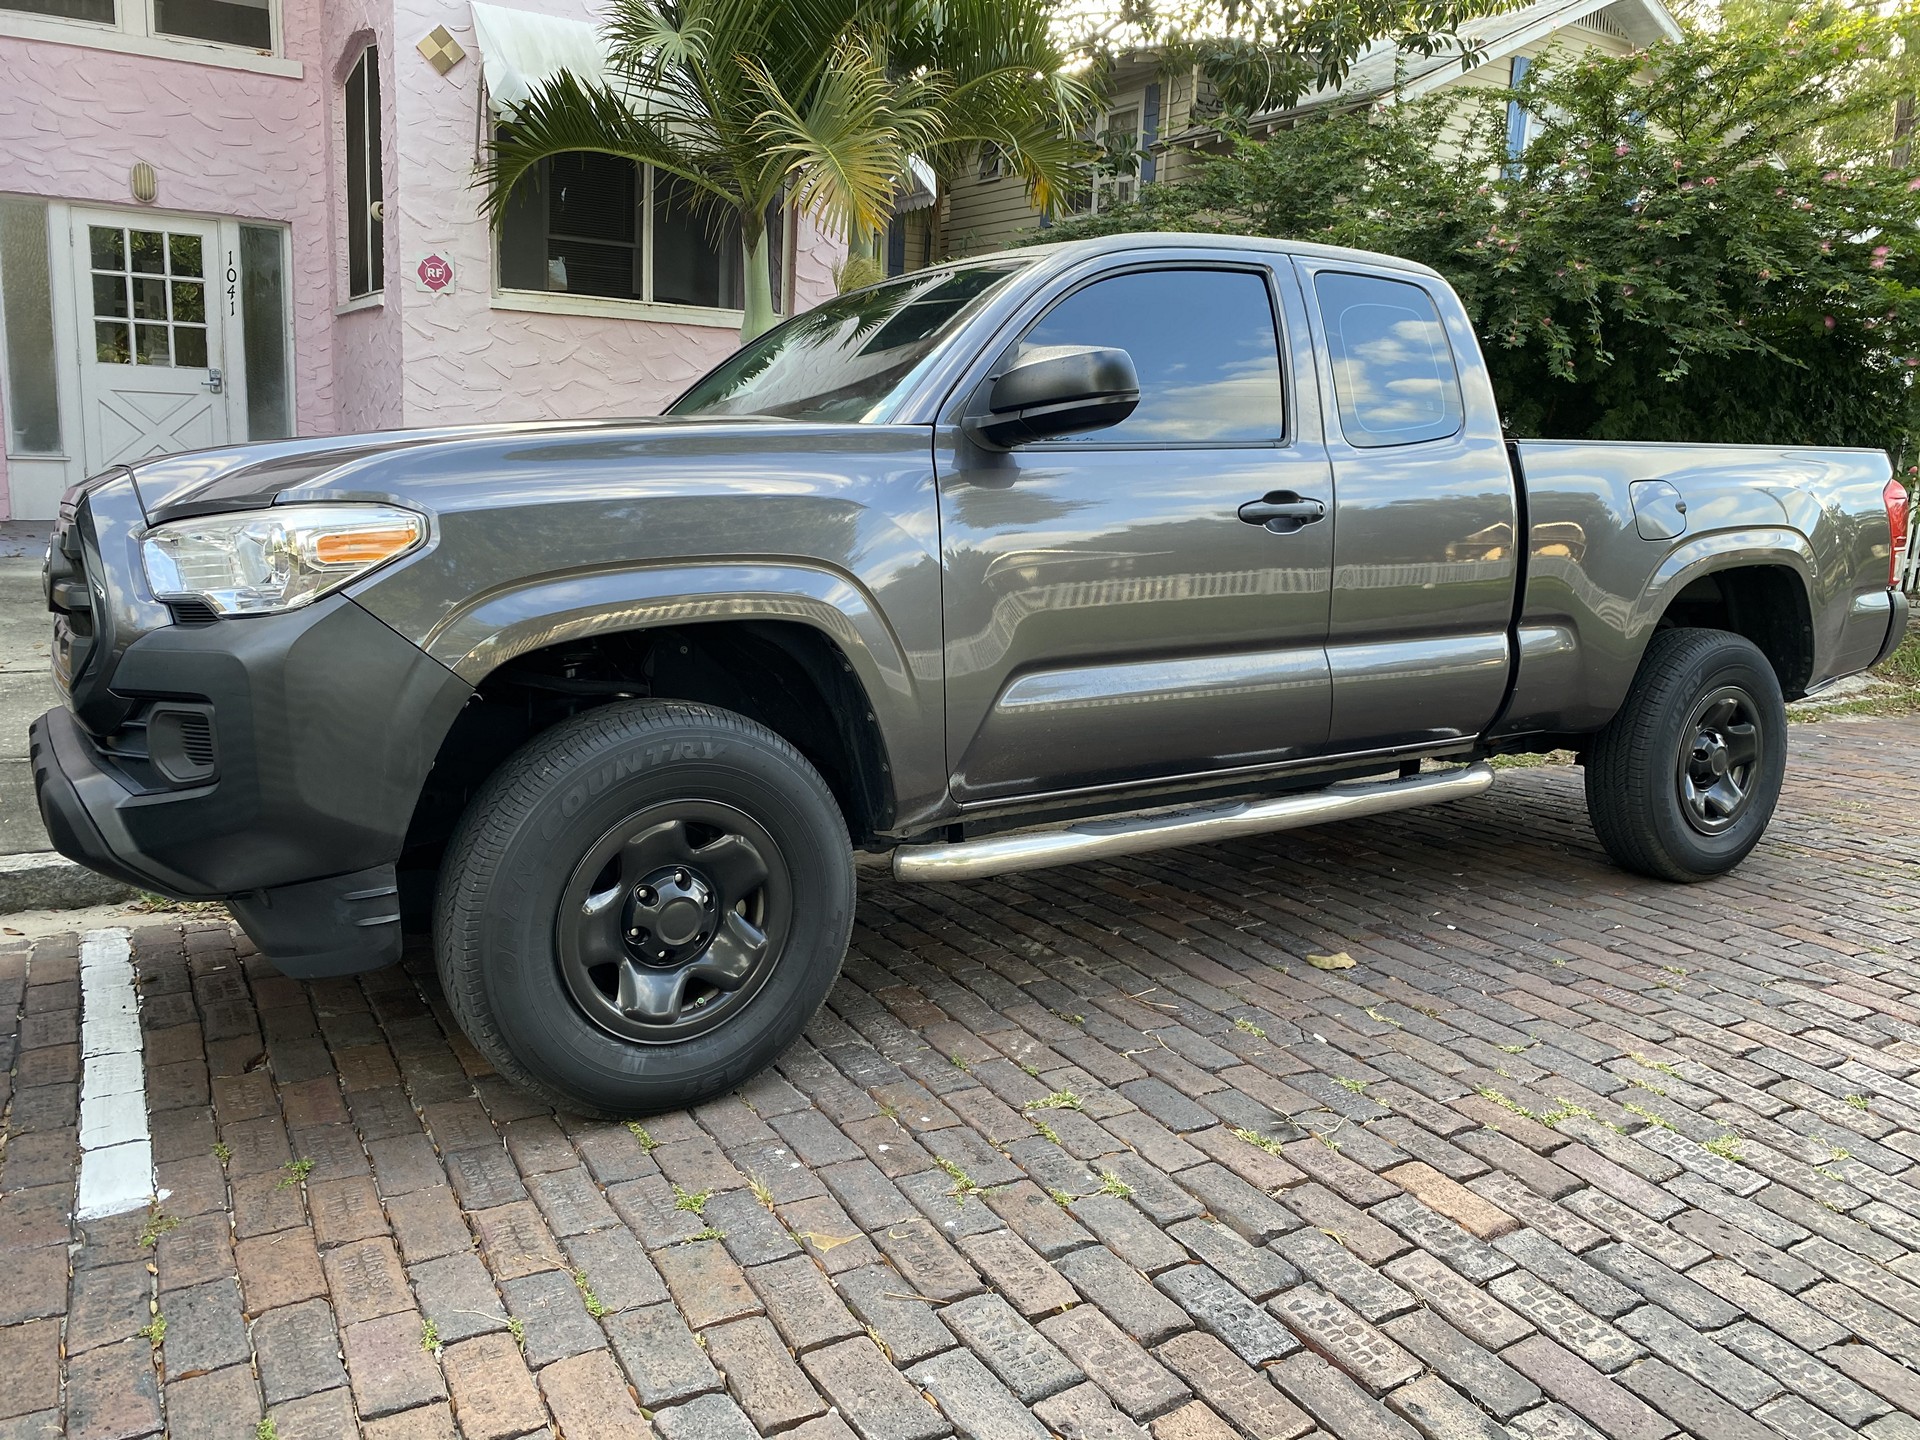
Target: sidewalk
(1096, 1152)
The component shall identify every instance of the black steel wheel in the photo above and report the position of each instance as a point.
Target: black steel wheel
(673, 919)
(644, 907)
(1684, 778)
(1718, 767)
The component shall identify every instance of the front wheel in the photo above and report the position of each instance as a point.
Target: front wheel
(1682, 782)
(644, 907)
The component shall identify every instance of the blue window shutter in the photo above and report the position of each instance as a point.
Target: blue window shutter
(1149, 131)
(897, 245)
(1516, 113)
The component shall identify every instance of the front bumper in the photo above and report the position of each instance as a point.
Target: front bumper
(291, 803)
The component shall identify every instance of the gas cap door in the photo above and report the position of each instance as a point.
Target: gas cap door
(1658, 511)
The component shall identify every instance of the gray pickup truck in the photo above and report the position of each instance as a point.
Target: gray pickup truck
(1071, 552)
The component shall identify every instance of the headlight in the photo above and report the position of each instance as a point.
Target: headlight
(256, 562)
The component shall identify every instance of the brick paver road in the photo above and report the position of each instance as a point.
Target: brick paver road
(1097, 1152)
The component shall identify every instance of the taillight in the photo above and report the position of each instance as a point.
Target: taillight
(1895, 496)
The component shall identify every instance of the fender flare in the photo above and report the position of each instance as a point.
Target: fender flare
(903, 688)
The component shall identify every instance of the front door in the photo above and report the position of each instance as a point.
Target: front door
(151, 370)
(1112, 617)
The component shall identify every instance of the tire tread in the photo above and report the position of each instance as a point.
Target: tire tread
(496, 813)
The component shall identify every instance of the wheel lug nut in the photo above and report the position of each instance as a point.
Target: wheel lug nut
(680, 877)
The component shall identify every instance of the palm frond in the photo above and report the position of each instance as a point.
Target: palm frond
(844, 147)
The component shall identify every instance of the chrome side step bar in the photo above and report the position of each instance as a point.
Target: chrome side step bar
(1163, 830)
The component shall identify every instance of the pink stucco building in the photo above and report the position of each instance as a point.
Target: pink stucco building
(234, 219)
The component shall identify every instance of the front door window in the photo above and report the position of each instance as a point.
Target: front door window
(149, 297)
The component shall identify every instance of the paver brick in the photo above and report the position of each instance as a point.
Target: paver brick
(907, 1324)
(1692, 1405)
(553, 1317)
(1231, 1387)
(660, 1355)
(1616, 1413)
(1470, 1368)
(1447, 1196)
(1025, 1360)
(588, 1397)
(388, 1367)
(297, 1350)
(29, 1368)
(1126, 1295)
(974, 1400)
(492, 1389)
(1332, 1329)
(1137, 1383)
(871, 1395)
(213, 1405)
(1009, 1264)
(1436, 1409)
(762, 1376)
(1252, 1334)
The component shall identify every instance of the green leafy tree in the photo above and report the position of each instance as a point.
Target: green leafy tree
(751, 101)
(1708, 242)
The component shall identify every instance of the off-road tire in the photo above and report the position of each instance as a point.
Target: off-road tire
(1636, 768)
(520, 847)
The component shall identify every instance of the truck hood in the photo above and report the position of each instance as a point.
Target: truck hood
(247, 477)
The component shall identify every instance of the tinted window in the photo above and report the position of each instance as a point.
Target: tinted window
(847, 357)
(1203, 342)
(1393, 372)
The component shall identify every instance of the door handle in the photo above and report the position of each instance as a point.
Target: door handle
(215, 381)
(1283, 512)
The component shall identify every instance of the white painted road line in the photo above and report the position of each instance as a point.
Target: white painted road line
(116, 1149)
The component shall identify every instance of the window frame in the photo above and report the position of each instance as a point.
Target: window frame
(1335, 418)
(365, 67)
(1101, 190)
(1289, 430)
(570, 302)
(134, 31)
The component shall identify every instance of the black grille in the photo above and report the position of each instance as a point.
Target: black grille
(196, 739)
(192, 612)
(180, 742)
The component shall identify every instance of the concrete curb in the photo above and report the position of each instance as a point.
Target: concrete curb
(47, 880)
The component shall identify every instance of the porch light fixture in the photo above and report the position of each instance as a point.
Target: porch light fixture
(144, 183)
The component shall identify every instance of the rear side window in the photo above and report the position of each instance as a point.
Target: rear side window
(1203, 342)
(1393, 371)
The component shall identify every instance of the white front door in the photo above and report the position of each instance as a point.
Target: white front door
(152, 372)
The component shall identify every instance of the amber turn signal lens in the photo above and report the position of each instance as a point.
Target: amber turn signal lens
(362, 547)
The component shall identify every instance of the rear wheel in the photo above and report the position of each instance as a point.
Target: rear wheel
(644, 907)
(1682, 782)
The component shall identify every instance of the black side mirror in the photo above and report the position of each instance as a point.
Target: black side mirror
(1054, 391)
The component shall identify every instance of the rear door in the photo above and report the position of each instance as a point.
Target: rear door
(1425, 515)
(1110, 616)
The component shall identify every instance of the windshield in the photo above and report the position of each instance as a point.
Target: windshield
(845, 359)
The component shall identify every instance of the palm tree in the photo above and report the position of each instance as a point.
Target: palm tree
(751, 103)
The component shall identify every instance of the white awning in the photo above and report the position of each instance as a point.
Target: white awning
(520, 51)
(917, 189)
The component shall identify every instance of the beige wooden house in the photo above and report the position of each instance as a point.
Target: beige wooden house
(1163, 116)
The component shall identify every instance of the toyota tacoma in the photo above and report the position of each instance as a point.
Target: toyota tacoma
(1065, 553)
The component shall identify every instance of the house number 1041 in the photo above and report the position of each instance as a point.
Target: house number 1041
(233, 286)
